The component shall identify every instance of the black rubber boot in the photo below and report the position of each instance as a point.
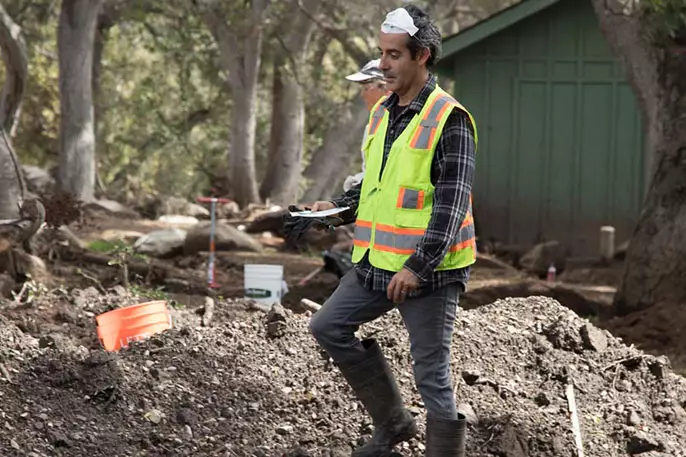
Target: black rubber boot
(374, 385)
(445, 437)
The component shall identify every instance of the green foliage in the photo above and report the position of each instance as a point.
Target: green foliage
(147, 293)
(669, 17)
(162, 102)
(104, 247)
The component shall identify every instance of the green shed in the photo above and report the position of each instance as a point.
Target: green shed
(561, 150)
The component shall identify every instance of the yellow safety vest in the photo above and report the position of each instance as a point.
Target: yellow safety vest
(395, 208)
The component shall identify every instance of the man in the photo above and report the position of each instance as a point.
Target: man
(372, 88)
(414, 241)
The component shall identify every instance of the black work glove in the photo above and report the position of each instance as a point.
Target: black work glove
(295, 227)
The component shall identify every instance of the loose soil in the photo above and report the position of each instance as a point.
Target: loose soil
(236, 389)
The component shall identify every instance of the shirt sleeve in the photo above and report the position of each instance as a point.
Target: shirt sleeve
(453, 166)
(350, 198)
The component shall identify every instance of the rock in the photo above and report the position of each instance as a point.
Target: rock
(468, 412)
(127, 236)
(161, 243)
(38, 180)
(470, 377)
(112, 207)
(513, 442)
(176, 205)
(271, 221)
(154, 416)
(119, 290)
(593, 338)
(538, 260)
(542, 399)
(658, 366)
(177, 220)
(276, 321)
(640, 442)
(186, 416)
(633, 418)
(564, 335)
(31, 266)
(228, 210)
(227, 238)
(61, 235)
(284, 429)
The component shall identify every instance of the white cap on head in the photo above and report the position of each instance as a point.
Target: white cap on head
(399, 21)
(368, 72)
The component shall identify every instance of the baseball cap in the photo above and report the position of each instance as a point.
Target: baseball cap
(368, 72)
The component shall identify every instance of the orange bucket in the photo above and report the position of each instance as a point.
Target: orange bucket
(117, 328)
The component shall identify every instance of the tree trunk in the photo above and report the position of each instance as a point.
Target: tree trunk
(241, 56)
(655, 270)
(76, 36)
(288, 110)
(331, 162)
(10, 181)
(16, 70)
(107, 19)
(242, 149)
(281, 181)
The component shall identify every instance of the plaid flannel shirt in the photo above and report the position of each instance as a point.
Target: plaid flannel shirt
(452, 174)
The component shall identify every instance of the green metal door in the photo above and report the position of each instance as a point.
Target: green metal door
(561, 143)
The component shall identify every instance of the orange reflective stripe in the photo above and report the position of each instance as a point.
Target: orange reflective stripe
(425, 134)
(420, 129)
(376, 119)
(380, 247)
(420, 200)
(401, 197)
(468, 220)
(440, 115)
(362, 223)
(398, 230)
(465, 244)
(360, 243)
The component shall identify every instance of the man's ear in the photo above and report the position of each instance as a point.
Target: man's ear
(423, 56)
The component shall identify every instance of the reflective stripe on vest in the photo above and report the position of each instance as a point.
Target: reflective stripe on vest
(395, 207)
(404, 240)
(377, 117)
(424, 136)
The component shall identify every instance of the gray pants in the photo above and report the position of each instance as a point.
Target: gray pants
(429, 320)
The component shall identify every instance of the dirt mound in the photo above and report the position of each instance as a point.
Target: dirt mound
(658, 330)
(260, 386)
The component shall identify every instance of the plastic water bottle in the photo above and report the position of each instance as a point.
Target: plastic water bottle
(552, 271)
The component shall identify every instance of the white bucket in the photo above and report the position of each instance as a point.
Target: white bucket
(263, 283)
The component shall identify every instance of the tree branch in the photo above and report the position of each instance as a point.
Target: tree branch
(16, 64)
(340, 35)
(229, 48)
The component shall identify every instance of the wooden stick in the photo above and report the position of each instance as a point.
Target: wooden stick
(208, 313)
(310, 305)
(575, 419)
(309, 276)
(18, 297)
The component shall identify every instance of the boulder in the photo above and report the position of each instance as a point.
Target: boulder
(538, 260)
(161, 243)
(176, 205)
(226, 238)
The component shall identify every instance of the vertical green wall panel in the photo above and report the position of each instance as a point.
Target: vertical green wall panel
(560, 137)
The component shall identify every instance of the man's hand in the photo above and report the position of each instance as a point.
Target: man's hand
(403, 283)
(322, 206)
